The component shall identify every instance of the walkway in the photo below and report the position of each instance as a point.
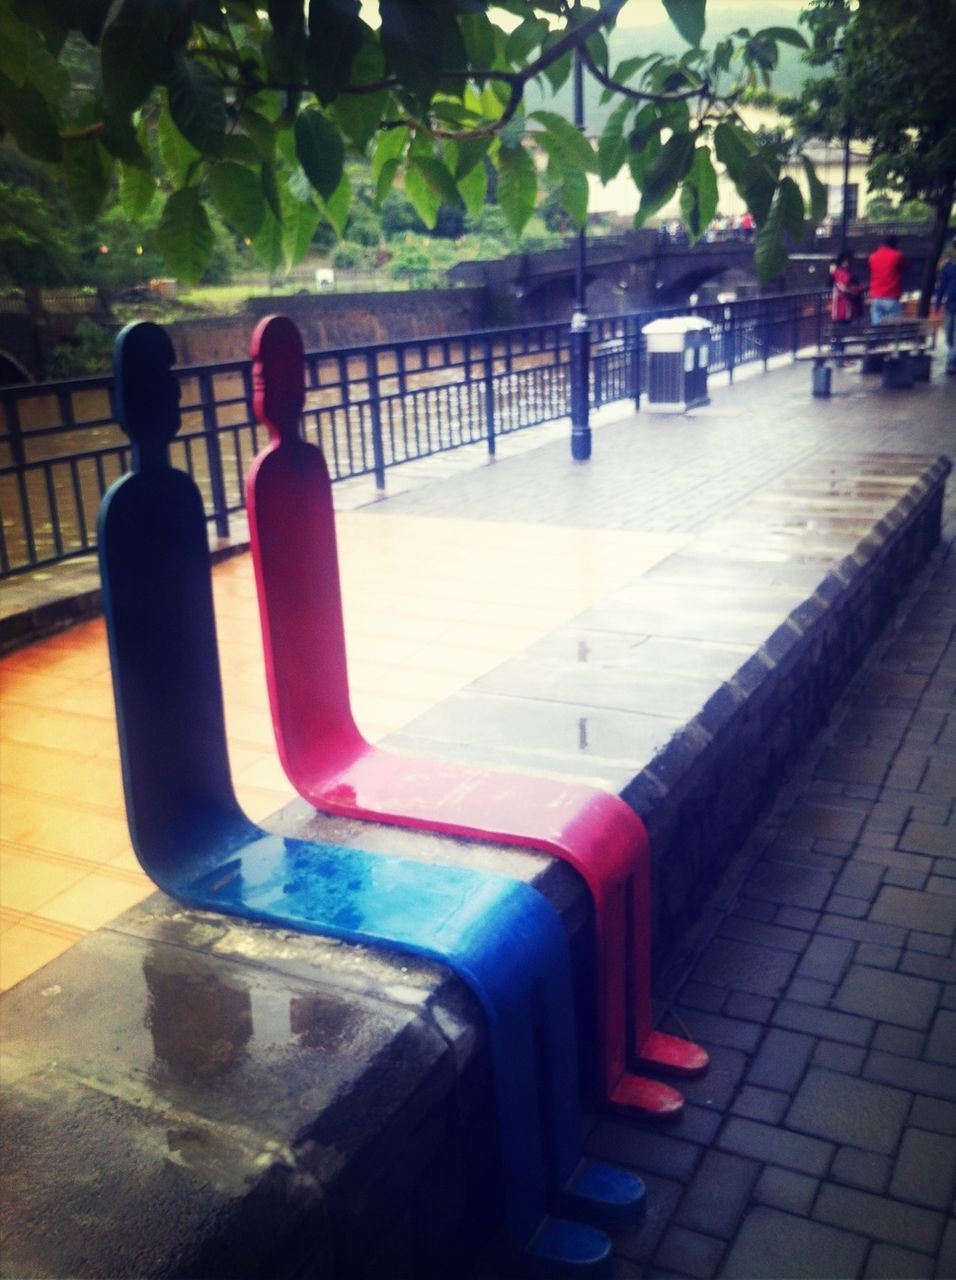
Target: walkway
(821, 976)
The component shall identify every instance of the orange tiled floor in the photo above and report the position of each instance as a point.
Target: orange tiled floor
(430, 606)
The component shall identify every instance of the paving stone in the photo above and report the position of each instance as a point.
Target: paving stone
(887, 1262)
(900, 998)
(887, 857)
(781, 1060)
(776, 1146)
(751, 909)
(886, 817)
(925, 1169)
(717, 1085)
(771, 1243)
(934, 1115)
(841, 1108)
(866, 764)
(909, 1044)
(858, 880)
(644, 1149)
(696, 1124)
(933, 944)
(714, 1029)
(920, 1077)
(831, 1024)
(863, 1169)
(930, 912)
(718, 1195)
(699, 995)
(856, 908)
(743, 1004)
(766, 935)
(826, 959)
(809, 991)
(948, 998)
(784, 1189)
(879, 1217)
(938, 968)
(690, 1253)
(941, 1045)
(902, 878)
(878, 957)
(886, 935)
(839, 1057)
(945, 885)
(637, 1244)
(741, 966)
(788, 884)
(761, 1104)
(797, 918)
(822, 820)
(946, 1259)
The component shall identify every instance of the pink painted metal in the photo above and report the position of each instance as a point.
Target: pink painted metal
(292, 531)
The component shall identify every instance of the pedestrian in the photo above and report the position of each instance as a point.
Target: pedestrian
(887, 265)
(846, 297)
(944, 301)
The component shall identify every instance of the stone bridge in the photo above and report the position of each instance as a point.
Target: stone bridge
(635, 271)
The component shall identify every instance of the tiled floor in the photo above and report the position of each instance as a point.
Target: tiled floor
(430, 606)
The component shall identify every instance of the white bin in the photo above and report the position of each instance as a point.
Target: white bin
(678, 351)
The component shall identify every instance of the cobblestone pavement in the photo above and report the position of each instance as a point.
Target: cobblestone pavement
(822, 1142)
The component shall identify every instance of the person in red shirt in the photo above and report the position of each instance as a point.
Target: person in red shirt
(887, 265)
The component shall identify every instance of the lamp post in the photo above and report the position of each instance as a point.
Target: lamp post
(580, 341)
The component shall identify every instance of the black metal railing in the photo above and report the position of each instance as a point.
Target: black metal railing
(370, 408)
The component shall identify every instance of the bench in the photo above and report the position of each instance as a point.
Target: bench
(897, 348)
(501, 937)
(333, 767)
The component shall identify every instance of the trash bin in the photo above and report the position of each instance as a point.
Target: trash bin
(678, 350)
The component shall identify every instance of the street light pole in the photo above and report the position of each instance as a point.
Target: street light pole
(845, 214)
(580, 341)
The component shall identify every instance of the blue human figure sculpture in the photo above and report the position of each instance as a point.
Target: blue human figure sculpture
(499, 936)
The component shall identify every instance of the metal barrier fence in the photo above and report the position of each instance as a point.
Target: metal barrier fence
(370, 408)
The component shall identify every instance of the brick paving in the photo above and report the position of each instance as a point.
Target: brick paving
(822, 1143)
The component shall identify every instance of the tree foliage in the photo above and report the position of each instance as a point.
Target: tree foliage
(890, 82)
(254, 110)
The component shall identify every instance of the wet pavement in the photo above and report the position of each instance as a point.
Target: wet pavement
(593, 610)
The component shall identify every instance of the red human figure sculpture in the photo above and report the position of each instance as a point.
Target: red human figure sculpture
(330, 764)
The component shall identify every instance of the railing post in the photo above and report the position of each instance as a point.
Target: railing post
(580, 350)
(636, 325)
(730, 340)
(489, 382)
(375, 410)
(19, 456)
(217, 484)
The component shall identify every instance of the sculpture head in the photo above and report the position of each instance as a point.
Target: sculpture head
(278, 376)
(145, 389)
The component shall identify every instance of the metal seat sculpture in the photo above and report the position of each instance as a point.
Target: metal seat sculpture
(501, 937)
(292, 531)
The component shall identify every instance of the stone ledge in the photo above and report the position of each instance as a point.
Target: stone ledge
(187, 1095)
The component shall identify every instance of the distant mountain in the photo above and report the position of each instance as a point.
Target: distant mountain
(630, 42)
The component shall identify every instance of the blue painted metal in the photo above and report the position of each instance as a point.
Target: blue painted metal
(500, 936)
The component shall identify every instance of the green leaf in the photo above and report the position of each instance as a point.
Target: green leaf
(237, 194)
(270, 189)
(50, 19)
(137, 187)
(318, 145)
(267, 245)
(89, 16)
(185, 236)
(573, 195)
(336, 35)
(517, 187)
(759, 185)
(817, 190)
(197, 104)
(388, 148)
(526, 36)
(474, 189)
(385, 179)
(260, 130)
(425, 199)
(625, 70)
(689, 17)
(133, 50)
(790, 199)
(299, 221)
(669, 167)
(411, 40)
(24, 55)
(439, 179)
(358, 114)
(770, 255)
(612, 147)
(25, 113)
(478, 34)
(87, 169)
(238, 147)
(573, 145)
(698, 197)
(124, 142)
(785, 35)
(734, 148)
(336, 208)
(177, 155)
(463, 157)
